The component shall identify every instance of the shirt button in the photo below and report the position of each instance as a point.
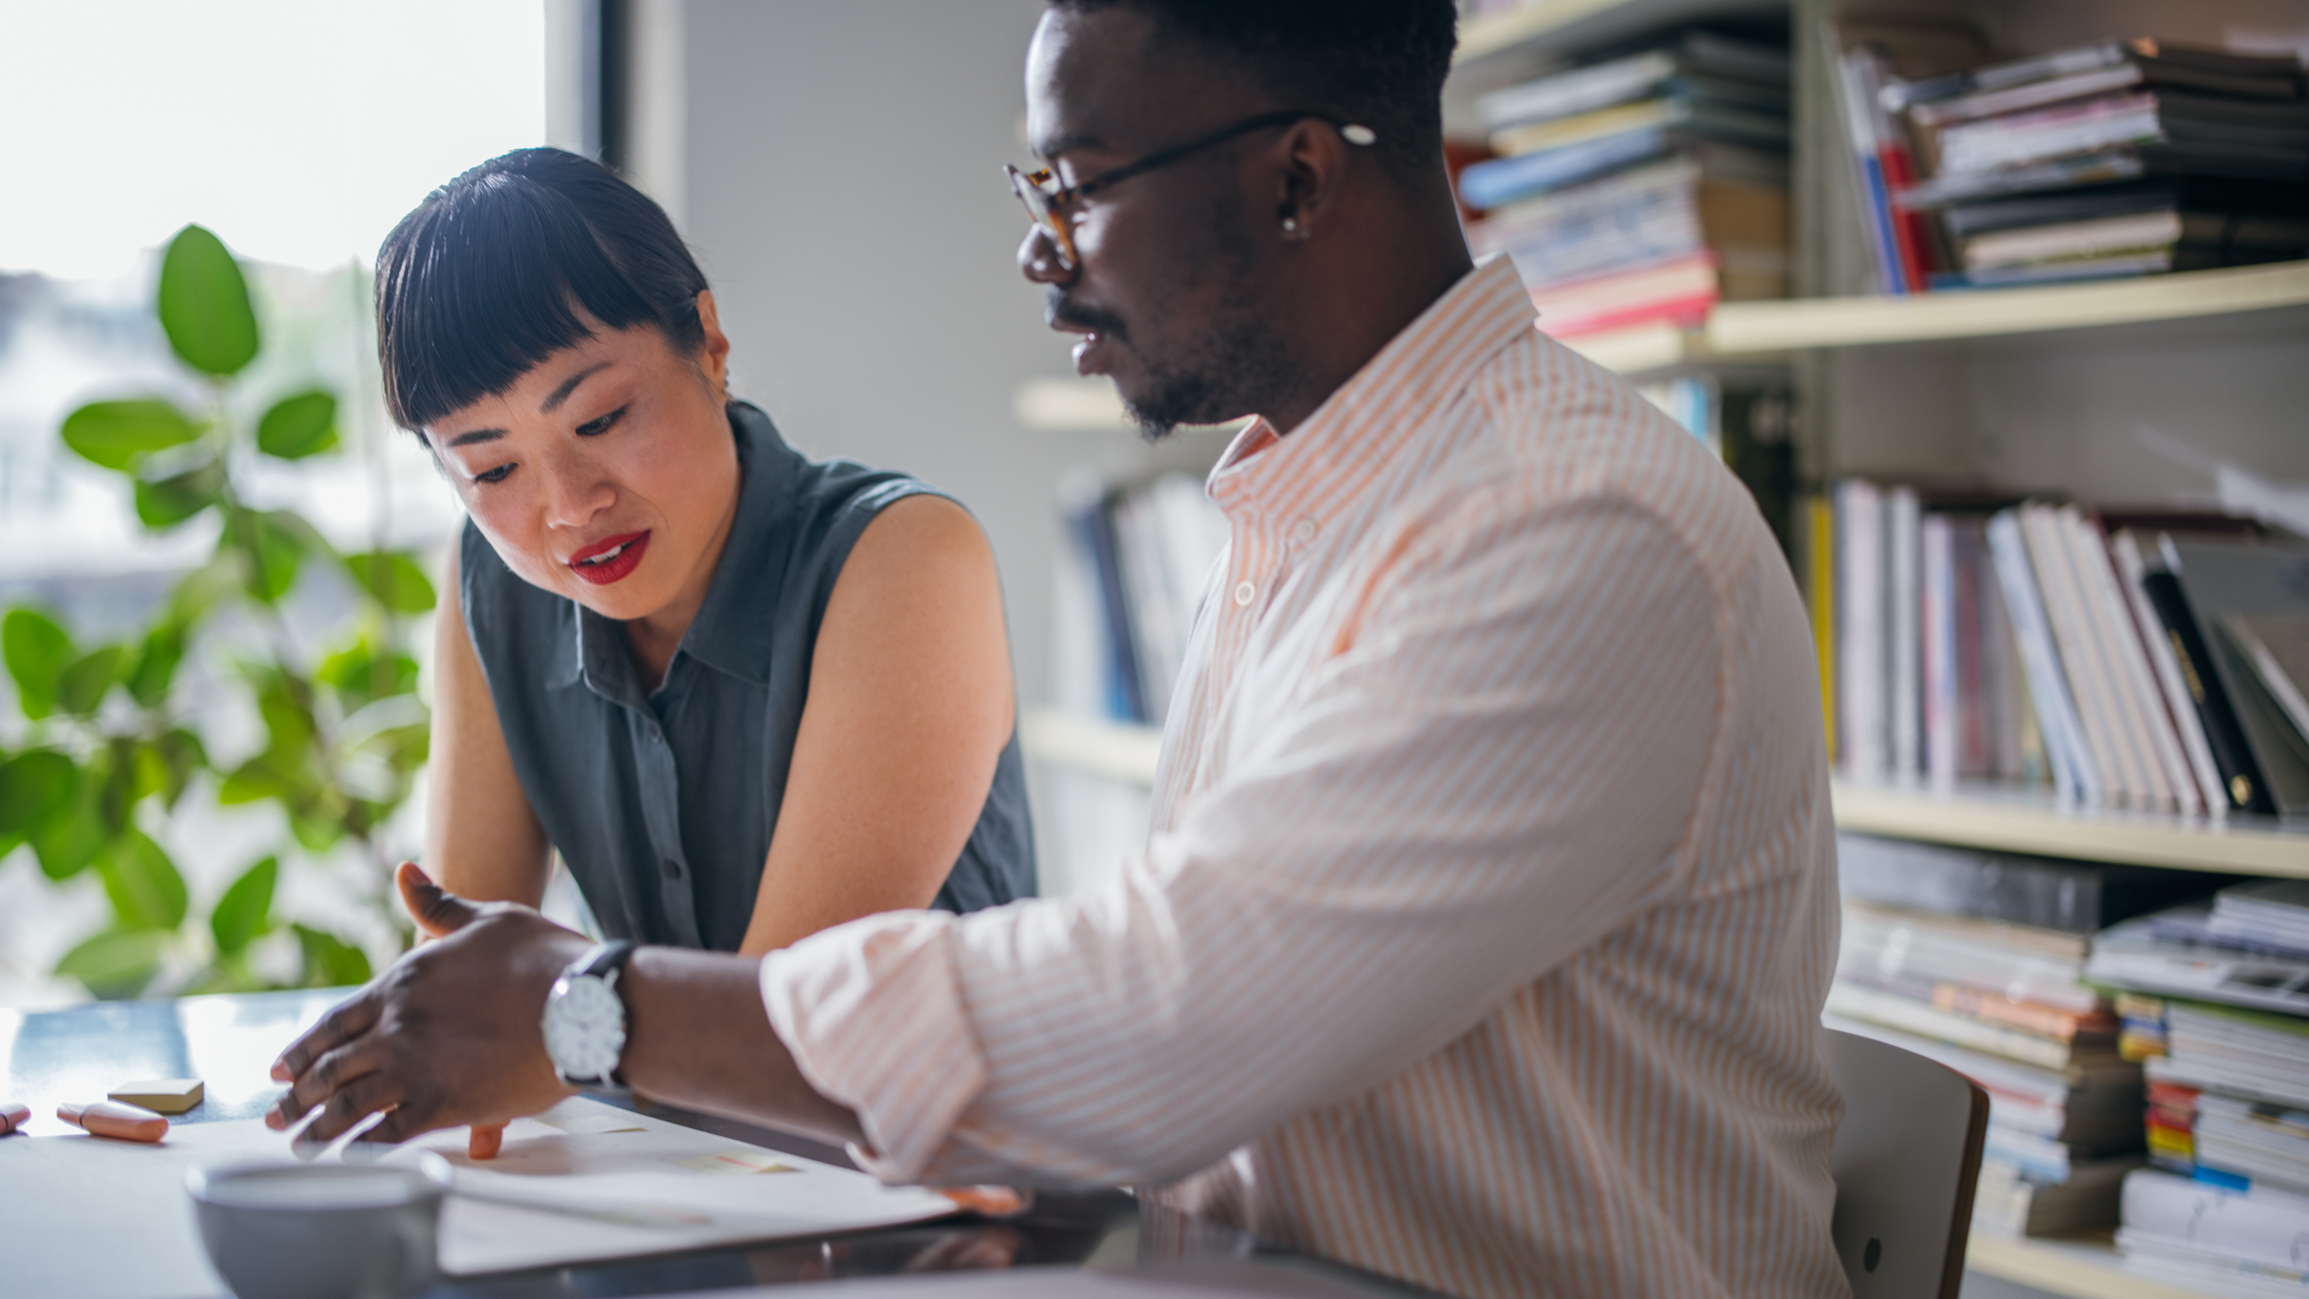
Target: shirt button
(673, 870)
(1245, 593)
(1303, 531)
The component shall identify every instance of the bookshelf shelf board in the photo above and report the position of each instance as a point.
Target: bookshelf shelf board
(2020, 821)
(2081, 1267)
(1117, 750)
(1639, 348)
(1793, 323)
(1560, 26)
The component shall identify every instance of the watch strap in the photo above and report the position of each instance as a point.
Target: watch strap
(604, 958)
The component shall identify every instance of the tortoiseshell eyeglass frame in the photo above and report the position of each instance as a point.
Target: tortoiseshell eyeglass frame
(1048, 204)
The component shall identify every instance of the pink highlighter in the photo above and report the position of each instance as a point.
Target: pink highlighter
(114, 1119)
(12, 1117)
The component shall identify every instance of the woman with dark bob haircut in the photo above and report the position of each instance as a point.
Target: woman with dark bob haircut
(745, 695)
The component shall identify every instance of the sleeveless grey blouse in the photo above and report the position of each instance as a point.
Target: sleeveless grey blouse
(663, 804)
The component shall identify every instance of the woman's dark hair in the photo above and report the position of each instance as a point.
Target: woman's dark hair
(485, 279)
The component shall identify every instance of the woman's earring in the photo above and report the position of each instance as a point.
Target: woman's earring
(1291, 228)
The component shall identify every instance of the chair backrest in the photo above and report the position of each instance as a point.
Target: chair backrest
(1907, 1155)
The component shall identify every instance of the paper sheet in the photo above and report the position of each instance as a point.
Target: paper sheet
(641, 1185)
(95, 1219)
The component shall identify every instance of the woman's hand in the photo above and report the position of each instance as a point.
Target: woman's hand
(449, 1035)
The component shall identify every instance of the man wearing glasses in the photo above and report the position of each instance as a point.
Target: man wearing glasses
(1489, 906)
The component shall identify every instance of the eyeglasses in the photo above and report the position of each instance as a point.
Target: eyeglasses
(1049, 204)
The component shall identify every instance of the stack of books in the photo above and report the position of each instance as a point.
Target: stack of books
(2150, 660)
(1641, 189)
(2117, 158)
(2216, 1005)
(1130, 579)
(1977, 960)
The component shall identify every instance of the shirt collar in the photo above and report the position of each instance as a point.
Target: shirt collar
(731, 632)
(1344, 448)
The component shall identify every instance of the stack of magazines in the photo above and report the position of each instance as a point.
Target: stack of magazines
(2217, 1006)
(1640, 189)
(2152, 660)
(1978, 960)
(2119, 158)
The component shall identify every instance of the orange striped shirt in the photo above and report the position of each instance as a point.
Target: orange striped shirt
(1490, 901)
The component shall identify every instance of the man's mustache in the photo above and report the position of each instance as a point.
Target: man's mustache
(1060, 312)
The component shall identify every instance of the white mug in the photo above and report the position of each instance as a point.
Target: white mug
(281, 1230)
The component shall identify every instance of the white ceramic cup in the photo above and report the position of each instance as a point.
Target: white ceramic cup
(281, 1230)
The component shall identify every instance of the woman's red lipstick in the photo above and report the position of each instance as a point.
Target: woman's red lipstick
(623, 555)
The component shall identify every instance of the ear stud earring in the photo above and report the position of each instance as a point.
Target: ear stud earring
(1290, 225)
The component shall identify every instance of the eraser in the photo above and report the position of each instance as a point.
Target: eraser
(113, 1119)
(13, 1116)
(160, 1095)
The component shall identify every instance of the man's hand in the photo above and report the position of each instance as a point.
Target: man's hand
(449, 1035)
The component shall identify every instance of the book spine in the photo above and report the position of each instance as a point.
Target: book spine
(1895, 1011)
(2240, 772)
(1855, 85)
(1861, 624)
(2180, 708)
(1944, 697)
(2079, 654)
(2074, 775)
(1820, 590)
(1904, 540)
(1096, 533)
(2169, 785)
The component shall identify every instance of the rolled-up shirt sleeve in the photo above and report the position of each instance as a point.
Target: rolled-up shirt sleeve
(1497, 765)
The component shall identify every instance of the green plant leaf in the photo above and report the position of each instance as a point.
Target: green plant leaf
(204, 304)
(117, 963)
(36, 651)
(114, 433)
(181, 754)
(166, 502)
(244, 910)
(393, 579)
(145, 888)
(32, 787)
(201, 589)
(156, 663)
(271, 552)
(330, 961)
(70, 837)
(81, 686)
(361, 675)
(299, 426)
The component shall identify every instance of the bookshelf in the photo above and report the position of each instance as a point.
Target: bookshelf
(2076, 1267)
(2019, 821)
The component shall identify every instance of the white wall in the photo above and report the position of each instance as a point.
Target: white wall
(842, 186)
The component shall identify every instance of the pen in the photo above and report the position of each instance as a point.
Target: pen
(12, 1117)
(114, 1119)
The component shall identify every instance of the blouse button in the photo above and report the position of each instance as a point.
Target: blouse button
(672, 870)
(1245, 592)
(1303, 531)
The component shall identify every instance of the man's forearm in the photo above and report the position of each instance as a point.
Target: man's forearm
(697, 1037)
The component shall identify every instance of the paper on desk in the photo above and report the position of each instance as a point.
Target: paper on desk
(87, 1218)
(634, 1184)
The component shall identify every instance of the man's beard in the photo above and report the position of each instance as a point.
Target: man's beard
(1233, 370)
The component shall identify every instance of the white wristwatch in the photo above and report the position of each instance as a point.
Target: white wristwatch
(585, 1020)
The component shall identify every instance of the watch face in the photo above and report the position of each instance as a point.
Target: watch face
(584, 1028)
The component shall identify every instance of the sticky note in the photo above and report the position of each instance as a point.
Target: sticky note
(160, 1095)
(736, 1161)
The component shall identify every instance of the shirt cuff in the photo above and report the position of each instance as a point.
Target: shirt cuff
(873, 1014)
